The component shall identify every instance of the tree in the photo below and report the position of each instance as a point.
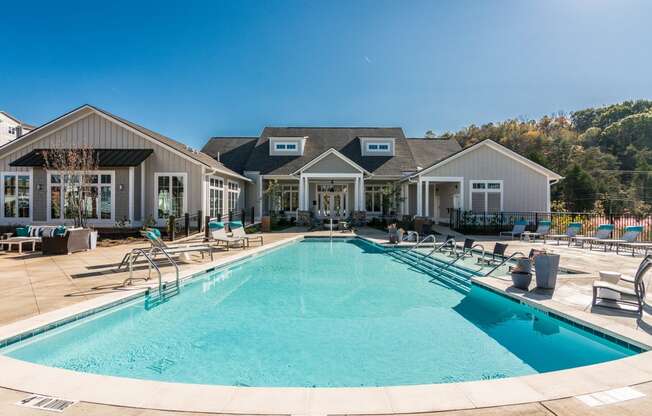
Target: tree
(580, 192)
(74, 167)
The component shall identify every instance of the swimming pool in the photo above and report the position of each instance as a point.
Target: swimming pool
(320, 313)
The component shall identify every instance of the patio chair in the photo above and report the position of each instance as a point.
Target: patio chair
(603, 233)
(571, 231)
(497, 255)
(631, 234)
(519, 228)
(542, 230)
(643, 246)
(238, 231)
(217, 232)
(467, 249)
(628, 295)
(154, 238)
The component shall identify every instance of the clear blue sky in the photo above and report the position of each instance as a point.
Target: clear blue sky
(192, 70)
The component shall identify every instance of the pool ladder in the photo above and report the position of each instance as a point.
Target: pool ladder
(165, 290)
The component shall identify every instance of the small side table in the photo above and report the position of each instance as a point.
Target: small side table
(613, 278)
(6, 236)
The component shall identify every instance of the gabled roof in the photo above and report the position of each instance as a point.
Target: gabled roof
(24, 125)
(194, 155)
(346, 140)
(428, 151)
(498, 147)
(331, 151)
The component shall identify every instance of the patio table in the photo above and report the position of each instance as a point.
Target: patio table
(19, 241)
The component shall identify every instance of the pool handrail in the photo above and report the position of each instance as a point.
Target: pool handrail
(434, 239)
(151, 263)
(505, 260)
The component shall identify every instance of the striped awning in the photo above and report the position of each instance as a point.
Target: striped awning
(105, 157)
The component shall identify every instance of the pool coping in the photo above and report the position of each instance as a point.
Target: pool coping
(126, 392)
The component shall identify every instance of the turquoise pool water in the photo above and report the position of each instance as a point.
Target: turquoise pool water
(316, 313)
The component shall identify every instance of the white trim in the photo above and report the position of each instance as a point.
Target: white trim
(131, 194)
(486, 191)
(286, 149)
(48, 197)
(332, 175)
(499, 148)
(228, 192)
(30, 174)
(328, 152)
(204, 187)
(378, 144)
(186, 187)
(548, 197)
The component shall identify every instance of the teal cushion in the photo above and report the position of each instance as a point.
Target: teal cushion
(151, 235)
(215, 225)
(22, 232)
(60, 231)
(521, 222)
(235, 224)
(156, 232)
(544, 223)
(605, 227)
(575, 225)
(634, 228)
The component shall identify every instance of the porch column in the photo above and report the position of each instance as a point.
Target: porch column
(361, 204)
(419, 198)
(405, 210)
(427, 208)
(306, 194)
(356, 193)
(302, 197)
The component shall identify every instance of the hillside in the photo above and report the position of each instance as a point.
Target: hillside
(605, 154)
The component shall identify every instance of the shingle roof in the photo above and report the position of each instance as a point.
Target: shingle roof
(252, 154)
(429, 151)
(105, 157)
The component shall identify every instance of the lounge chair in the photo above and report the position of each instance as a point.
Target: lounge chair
(519, 228)
(217, 232)
(631, 234)
(154, 238)
(542, 230)
(643, 246)
(603, 233)
(628, 295)
(497, 255)
(467, 249)
(237, 231)
(571, 231)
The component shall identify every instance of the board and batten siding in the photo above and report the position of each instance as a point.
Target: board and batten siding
(332, 164)
(524, 189)
(99, 132)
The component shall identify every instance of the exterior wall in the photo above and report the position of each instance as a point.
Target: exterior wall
(445, 194)
(332, 164)
(523, 188)
(39, 198)
(99, 132)
(7, 123)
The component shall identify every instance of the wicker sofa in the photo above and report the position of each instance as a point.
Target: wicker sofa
(73, 240)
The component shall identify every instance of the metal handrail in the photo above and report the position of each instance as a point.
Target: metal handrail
(151, 264)
(434, 239)
(444, 244)
(511, 256)
(461, 256)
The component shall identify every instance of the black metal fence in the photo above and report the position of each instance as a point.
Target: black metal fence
(489, 223)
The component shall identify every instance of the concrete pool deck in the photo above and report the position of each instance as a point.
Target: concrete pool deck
(54, 297)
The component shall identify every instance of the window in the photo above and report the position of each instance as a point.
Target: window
(16, 195)
(170, 194)
(12, 130)
(486, 196)
(285, 147)
(378, 147)
(289, 197)
(216, 197)
(373, 198)
(233, 195)
(94, 191)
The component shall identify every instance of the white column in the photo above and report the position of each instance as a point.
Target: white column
(427, 207)
(361, 207)
(419, 198)
(142, 192)
(302, 197)
(356, 193)
(404, 199)
(306, 194)
(131, 194)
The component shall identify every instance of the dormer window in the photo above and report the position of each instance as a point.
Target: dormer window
(287, 147)
(377, 147)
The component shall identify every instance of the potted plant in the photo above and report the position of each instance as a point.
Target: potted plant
(522, 273)
(546, 267)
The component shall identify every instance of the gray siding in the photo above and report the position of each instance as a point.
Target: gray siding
(39, 201)
(121, 197)
(523, 188)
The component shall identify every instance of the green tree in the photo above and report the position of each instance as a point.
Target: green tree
(580, 191)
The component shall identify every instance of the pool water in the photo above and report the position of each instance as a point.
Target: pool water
(320, 313)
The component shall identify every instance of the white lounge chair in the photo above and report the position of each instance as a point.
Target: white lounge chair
(542, 230)
(217, 232)
(603, 233)
(571, 231)
(237, 231)
(628, 295)
(631, 234)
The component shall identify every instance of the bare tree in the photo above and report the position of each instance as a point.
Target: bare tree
(75, 167)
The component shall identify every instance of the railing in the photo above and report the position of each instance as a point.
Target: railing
(431, 236)
(492, 223)
(136, 252)
(448, 243)
(505, 260)
(189, 224)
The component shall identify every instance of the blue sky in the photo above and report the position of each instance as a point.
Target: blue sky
(192, 70)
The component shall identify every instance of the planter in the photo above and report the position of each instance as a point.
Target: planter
(547, 268)
(92, 240)
(266, 224)
(521, 273)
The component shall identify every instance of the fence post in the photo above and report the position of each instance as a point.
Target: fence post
(186, 223)
(199, 221)
(171, 227)
(207, 219)
(219, 217)
(242, 216)
(253, 218)
(536, 219)
(230, 215)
